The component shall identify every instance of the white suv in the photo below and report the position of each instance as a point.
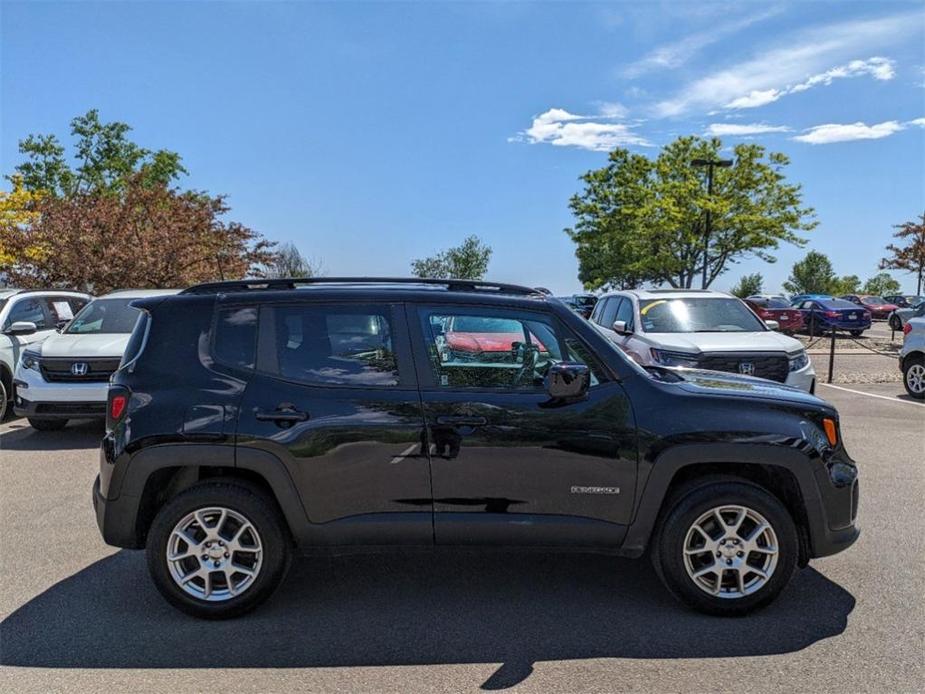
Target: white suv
(701, 329)
(912, 357)
(27, 317)
(67, 376)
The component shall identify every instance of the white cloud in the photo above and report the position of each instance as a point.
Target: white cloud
(560, 128)
(809, 52)
(740, 129)
(676, 54)
(845, 132)
(878, 68)
(920, 122)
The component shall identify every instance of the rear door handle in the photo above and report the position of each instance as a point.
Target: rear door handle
(462, 420)
(284, 413)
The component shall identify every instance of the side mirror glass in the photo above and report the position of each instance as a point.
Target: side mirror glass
(619, 326)
(21, 327)
(772, 324)
(567, 382)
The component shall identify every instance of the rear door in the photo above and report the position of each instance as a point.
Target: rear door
(334, 396)
(509, 466)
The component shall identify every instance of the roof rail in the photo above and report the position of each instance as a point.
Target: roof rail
(453, 285)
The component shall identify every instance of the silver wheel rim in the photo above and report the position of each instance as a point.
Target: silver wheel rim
(915, 378)
(730, 552)
(214, 554)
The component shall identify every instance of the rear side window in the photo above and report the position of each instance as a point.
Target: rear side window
(348, 345)
(235, 341)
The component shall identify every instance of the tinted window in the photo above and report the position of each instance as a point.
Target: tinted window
(777, 303)
(235, 337)
(609, 312)
(136, 341)
(29, 310)
(697, 315)
(330, 345)
(625, 312)
(105, 316)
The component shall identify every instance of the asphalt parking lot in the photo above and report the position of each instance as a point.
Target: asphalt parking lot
(80, 616)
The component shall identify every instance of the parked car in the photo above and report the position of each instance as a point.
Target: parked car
(800, 298)
(877, 305)
(904, 300)
(823, 315)
(67, 376)
(28, 317)
(779, 297)
(912, 357)
(701, 329)
(251, 420)
(582, 304)
(789, 319)
(900, 316)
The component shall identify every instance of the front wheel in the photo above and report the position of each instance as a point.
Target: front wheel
(914, 376)
(218, 550)
(726, 548)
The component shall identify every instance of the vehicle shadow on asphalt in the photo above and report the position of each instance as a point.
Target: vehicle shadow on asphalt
(76, 435)
(411, 609)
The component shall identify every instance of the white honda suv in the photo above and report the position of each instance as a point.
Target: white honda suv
(701, 329)
(67, 376)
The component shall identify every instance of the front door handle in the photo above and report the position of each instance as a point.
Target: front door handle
(285, 412)
(462, 420)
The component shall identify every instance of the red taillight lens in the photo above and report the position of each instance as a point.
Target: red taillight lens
(764, 313)
(907, 328)
(831, 314)
(117, 407)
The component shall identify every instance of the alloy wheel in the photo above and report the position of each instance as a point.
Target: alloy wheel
(730, 551)
(915, 378)
(214, 554)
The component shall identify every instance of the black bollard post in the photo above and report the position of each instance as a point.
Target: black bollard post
(832, 356)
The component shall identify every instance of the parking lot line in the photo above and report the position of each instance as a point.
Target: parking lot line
(873, 395)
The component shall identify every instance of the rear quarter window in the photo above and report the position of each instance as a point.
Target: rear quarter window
(234, 342)
(136, 342)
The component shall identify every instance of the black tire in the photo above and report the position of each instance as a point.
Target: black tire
(47, 424)
(668, 544)
(857, 333)
(896, 323)
(913, 360)
(243, 499)
(4, 399)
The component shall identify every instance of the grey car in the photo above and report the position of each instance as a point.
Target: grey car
(901, 316)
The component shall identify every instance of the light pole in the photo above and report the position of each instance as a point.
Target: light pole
(710, 164)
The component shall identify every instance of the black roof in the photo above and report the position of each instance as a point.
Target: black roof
(378, 283)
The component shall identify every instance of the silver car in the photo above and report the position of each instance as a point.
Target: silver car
(912, 358)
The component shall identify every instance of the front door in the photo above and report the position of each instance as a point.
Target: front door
(334, 397)
(510, 466)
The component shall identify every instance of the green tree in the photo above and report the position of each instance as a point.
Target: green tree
(468, 261)
(642, 220)
(748, 285)
(911, 256)
(104, 160)
(882, 283)
(848, 284)
(812, 275)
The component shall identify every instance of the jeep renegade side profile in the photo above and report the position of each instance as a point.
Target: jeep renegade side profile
(250, 420)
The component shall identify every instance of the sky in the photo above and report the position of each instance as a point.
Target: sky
(369, 134)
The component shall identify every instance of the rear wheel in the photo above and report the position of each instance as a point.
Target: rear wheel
(726, 548)
(857, 333)
(218, 550)
(4, 399)
(914, 376)
(47, 424)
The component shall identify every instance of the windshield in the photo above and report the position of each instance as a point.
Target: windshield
(104, 316)
(698, 315)
(873, 300)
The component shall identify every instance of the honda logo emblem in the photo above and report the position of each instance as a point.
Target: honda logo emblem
(746, 368)
(80, 368)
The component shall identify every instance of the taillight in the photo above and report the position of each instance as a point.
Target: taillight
(831, 314)
(116, 405)
(764, 313)
(907, 328)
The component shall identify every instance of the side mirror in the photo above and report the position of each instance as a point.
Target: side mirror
(567, 382)
(619, 327)
(21, 327)
(772, 324)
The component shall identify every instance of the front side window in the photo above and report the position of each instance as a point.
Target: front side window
(30, 311)
(510, 352)
(697, 315)
(104, 316)
(625, 312)
(330, 345)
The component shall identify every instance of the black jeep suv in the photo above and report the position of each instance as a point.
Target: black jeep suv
(249, 420)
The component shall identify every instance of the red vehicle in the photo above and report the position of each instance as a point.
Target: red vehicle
(789, 318)
(487, 339)
(877, 305)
